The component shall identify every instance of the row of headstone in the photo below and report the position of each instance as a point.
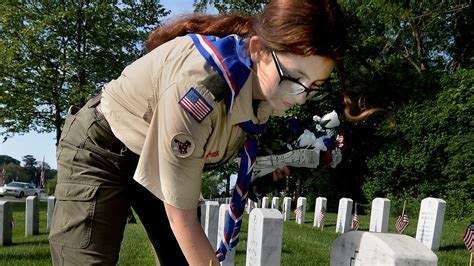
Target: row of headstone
(429, 227)
(430, 219)
(377, 247)
(31, 218)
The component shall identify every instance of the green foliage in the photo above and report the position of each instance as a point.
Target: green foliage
(228, 6)
(55, 54)
(216, 182)
(5, 159)
(212, 185)
(30, 171)
(12, 171)
(51, 185)
(430, 151)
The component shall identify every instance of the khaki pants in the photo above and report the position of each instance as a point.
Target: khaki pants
(94, 194)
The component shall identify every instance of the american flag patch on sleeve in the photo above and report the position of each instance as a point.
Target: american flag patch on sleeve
(195, 104)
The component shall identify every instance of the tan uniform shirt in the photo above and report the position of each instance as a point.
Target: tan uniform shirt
(143, 110)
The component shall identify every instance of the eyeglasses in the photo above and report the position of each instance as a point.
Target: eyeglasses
(292, 86)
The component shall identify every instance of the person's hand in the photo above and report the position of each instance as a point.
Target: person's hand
(280, 173)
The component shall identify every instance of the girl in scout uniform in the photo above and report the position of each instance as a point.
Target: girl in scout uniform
(205, 87)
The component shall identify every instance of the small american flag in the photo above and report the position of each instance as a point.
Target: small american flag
(195, 104)
(322, 215)
(2, 175)
(469, 238)
(42, 177)
(402, 223)
(299, 212)
(355, 222)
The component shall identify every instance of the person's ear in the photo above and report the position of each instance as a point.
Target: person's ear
(256, 49)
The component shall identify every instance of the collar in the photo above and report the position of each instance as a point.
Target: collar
(228, 57)
(243, 110)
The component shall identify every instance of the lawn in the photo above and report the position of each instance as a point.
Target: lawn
(302, 244)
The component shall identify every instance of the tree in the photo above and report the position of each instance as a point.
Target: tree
(14, 172)
(400, 55)
(227, 6)
(56, 54)
(5, 159)
(430, 152)
(216, 182)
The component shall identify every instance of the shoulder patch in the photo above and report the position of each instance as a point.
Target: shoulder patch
(182, 145)
(196, 105)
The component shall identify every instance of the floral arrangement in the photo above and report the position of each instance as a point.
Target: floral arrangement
(315, 147)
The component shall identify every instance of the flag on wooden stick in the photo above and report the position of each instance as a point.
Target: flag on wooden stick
(322, 215)
(42, 177)
(299, 212)
(469, 238)
(2, 175)
(402, 221)
(355, 220)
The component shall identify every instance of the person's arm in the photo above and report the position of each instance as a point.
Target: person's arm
(190, 236)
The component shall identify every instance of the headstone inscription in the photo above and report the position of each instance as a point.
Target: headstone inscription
(32, 216)
(264, 239)
(430, 222)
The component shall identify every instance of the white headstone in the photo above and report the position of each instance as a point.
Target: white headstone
(301, 204)
(264, 237)
(51, 203)
(6, 218)
(32, 216)
(203, 215)
(368, 248)
(430, 222)
(321, 202)
(230, 256)
(379, 215)
(286, 208)
(275, 203)
(344, 215)
(250, 205)
(265, 202)
(212, 221)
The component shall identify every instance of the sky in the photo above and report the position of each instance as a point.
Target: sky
(43, 145)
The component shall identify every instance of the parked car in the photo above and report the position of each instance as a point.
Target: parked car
(19, 190)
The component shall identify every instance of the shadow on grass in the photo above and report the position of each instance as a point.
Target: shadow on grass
(240, 252)
(286, 251)
(452, 247)
(39, 256)
(29, 242)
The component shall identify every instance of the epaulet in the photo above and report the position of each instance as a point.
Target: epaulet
(216, 86)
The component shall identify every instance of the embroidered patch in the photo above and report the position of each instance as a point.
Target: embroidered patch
(195, 104)
(182, 145)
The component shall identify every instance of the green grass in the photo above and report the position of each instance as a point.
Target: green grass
(302, 244)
